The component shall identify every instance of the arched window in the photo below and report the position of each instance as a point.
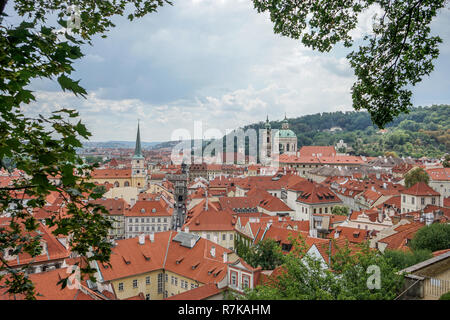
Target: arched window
(126, 184)
(116, 184)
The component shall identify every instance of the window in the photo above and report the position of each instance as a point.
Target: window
(165, 219)
(135, 283)
(121, 286)
(412, 200)
(130, 228)
(182, 283)
(160, 283)
(433, 200)
(192, 286)
(231, 236)
(147, 280)
(233, 278)
(136, 220)
(224, 237)
(142, 220)
(422, 200)
(147, 296)
(246, 281)
(159, 220)
(404, 199)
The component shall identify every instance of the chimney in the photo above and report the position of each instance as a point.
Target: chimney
(152, 237)
(186, 229)
(225, 257)
(192, 242)
(213, 251)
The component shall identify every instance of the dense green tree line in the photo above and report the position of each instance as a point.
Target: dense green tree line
(424, 131)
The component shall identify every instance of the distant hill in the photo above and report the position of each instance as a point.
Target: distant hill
(424, 131)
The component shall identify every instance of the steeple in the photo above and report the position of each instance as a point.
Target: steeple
(267, 125)
(138, 149)
(285, 124)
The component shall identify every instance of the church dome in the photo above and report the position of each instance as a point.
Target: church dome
(283, 133)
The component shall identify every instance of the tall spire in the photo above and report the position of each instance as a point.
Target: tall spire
(267, 125)
(138, 149)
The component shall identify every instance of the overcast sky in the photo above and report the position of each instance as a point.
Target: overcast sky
(217, 61)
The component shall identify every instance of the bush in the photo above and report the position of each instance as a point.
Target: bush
(445, 296)
(433, 237)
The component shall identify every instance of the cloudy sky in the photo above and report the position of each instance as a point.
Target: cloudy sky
(215, 61)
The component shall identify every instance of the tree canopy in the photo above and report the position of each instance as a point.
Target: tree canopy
(44, 146)
(433, 237)
(395, 55)
(416, 175)
(350, 275)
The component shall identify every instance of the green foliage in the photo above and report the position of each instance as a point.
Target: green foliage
(433, 237)
(446, 162)
(340, 210)
(403, 259)
(305, 277)
(387, 62)
(432, 139)
(416, 175)
(445, 296)
(265, 254)
(93, 159)
(45, 146)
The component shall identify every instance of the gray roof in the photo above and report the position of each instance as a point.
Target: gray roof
(426, 263)
(185, 239)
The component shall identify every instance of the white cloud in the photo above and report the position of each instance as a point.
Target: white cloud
(202, 60)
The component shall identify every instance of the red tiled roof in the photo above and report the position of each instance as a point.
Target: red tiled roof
(314, 193)
(325, 151)
(210, 220)
(129, 258)
(46, 284)
(439, 174)
(111, 173)
(200, 293)
(404, 233)
(144, 208)
(421, 189)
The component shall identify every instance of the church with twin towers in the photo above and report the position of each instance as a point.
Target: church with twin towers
(287, 139)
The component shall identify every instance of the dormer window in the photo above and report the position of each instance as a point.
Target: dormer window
(142, 210)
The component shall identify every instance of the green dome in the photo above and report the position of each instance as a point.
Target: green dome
(286, 134)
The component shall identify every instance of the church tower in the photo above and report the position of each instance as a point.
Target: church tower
(137, 165)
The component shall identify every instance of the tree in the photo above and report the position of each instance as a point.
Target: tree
(45, 146)
(433, 237)
(446, 162)
(392, 154)
(340, 210)
(403, 259)
(445, 296)
(348, 276)
(265, 254)
(398, 52)
(416, 175)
